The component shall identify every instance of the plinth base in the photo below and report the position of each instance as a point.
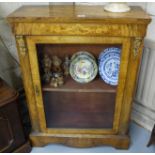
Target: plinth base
(117, 141)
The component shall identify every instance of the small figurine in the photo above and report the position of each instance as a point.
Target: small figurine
(66, 66)
(47, 77)
(60, 80)
(47, 63)
(56, 64)
(57, 80)
(54, 82)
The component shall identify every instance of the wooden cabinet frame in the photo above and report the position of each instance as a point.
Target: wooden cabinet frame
(129, 33)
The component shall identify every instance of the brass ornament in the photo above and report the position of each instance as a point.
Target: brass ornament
(22, 45)
(136, 46)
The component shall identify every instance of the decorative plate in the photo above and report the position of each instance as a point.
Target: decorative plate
(82, 53)
(83, 68)
(109, 62)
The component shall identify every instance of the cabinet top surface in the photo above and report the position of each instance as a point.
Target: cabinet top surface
(73, 13)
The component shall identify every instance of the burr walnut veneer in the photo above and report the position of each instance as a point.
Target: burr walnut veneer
(80, 115)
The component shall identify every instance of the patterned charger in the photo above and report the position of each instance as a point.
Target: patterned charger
(83, 67)
(109, 62)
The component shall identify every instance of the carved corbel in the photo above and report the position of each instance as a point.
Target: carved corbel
(21, 45)
(137, 43)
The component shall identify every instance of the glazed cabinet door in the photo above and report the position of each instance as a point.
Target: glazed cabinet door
(74, 108)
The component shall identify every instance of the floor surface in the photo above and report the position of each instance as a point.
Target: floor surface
(139, 140)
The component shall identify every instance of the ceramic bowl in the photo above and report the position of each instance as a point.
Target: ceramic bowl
(117, 7)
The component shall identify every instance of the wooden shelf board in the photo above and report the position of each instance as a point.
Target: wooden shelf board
(70, 85)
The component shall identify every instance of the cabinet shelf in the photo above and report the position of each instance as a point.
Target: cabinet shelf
(70, 85)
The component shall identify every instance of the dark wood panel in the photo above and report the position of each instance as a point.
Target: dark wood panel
(6, 135)
(62, 50)
(7, 94)
(10, 112)
(79, 109)
(12, 137)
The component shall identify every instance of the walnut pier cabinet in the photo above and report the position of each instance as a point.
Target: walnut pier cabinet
(79, 115)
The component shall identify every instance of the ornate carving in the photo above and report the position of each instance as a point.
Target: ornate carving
(21, 44)
(85, 29)
(137, 44)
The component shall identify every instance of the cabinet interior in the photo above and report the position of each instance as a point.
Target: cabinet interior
(75, 105)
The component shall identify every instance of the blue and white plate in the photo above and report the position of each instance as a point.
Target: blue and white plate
(109, 62)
